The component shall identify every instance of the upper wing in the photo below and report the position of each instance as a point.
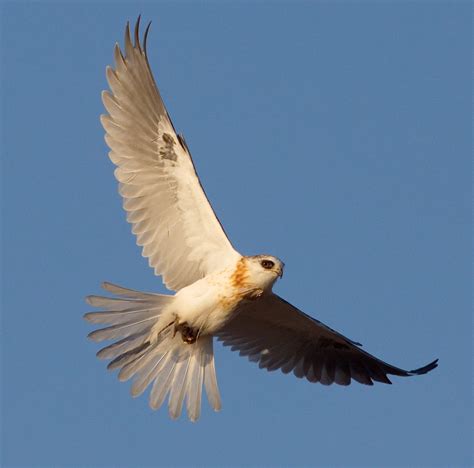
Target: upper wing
(277, 335)
(164, 200)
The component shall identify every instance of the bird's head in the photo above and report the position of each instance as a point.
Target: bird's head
(264, 270)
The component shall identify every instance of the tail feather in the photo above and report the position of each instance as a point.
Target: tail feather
(130, 367)
(122, 329)
(120, 347)
(146, 377)
(171, 367)
(120, 304)
(178, 387)
(195, 382)
(126, 292)
(118, 317)
(161, 385)
(128, 356)
(210, 379)
(134, 315)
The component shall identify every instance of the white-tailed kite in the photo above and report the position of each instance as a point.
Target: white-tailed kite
(166, 341)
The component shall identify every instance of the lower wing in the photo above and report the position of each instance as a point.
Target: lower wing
(277, 335)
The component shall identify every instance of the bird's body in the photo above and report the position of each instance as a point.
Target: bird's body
(209, 303)
(166, 341)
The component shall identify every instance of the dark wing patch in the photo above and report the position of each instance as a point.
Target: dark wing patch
(166, 150)
(157, 176)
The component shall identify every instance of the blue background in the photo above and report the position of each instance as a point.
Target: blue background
(335, 135)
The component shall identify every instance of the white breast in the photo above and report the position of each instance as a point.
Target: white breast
(206, 304)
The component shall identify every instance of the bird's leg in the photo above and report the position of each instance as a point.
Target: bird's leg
(188, 334)
(176, 325)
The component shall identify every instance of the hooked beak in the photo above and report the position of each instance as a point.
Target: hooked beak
(280, 273)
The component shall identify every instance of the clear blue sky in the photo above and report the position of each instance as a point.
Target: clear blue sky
(335, 135)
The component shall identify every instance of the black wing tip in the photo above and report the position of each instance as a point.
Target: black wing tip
(145, 37)
(136, 35)
(137, 32)
(425, 369)
(127, 31)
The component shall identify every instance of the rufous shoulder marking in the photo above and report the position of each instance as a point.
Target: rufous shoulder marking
(240, 275)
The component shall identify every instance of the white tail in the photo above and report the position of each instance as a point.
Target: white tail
(173, 367)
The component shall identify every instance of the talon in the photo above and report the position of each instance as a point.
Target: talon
(188, 334)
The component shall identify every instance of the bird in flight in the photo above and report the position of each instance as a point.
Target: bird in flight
(166, 341)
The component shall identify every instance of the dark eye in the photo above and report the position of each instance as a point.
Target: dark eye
(267, 264)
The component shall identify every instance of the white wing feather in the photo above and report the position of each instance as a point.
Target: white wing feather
(164, 200)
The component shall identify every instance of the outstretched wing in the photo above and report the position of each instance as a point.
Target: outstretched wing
(277, 335)
(163, 197)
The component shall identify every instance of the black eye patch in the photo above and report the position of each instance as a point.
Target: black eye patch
(267, 264)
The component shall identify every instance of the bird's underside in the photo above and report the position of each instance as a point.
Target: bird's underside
(189, 334)
(165, 342)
